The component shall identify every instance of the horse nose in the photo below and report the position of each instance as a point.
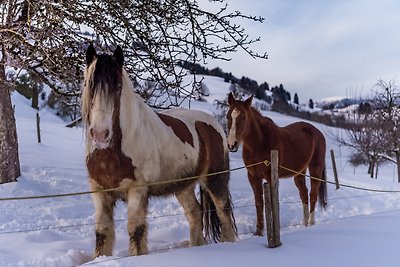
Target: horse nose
(234, 147)
(100, 136)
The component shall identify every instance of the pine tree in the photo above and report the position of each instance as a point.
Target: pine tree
(311, 104)
(296, 99)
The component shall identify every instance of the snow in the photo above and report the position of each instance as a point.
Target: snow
(359, 228)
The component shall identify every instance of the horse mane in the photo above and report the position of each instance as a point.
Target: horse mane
(262, 119)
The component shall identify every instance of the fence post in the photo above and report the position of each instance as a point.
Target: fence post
(268, 215)
(271, 195)
(38, 127)
(334, 169)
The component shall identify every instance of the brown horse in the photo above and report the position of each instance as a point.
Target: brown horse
(140, 153)
(300, 146)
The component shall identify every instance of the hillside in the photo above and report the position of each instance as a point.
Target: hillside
(359, 228)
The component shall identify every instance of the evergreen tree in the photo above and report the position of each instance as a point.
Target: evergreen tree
(296, 99)
(311, 104)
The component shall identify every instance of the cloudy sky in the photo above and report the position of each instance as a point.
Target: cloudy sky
(321, 49)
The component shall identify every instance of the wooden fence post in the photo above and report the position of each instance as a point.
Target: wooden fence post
(271, 196)
(268, 215)
(38, 127)
(334, 169)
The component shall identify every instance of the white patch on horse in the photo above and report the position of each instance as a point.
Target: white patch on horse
(232, 140)
(101, 121)
(155, 158)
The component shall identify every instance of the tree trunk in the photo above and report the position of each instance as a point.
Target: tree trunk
(9, 159)
(369, 166)
(35, 97)
(372, 168)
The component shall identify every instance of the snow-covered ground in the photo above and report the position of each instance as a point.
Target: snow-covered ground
(359, 228)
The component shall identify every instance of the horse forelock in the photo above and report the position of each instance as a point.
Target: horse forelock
(103, 78)
(107, 75)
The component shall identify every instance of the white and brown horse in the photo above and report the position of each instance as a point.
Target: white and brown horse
(134, 149)
(300, 145)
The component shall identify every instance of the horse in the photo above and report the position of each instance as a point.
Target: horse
(134, 153)
(300, 146)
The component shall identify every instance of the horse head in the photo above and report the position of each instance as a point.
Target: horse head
(101, 95)
(238, 121)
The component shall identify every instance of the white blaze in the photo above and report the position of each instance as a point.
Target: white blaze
(232, 131)
(101, 114)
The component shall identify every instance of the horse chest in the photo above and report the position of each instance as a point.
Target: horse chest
(109, 168)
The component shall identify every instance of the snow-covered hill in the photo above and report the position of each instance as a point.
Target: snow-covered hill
(358, 229)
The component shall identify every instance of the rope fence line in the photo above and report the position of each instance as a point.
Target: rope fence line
(330, 182)
(266, 162)
(164, 216)
(115, 220)
(135, 186)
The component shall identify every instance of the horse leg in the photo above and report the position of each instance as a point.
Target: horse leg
(104, 219)
(217, 186)
(316, 172)
(256, 185)
(300, 182)
(193, 214)
(137, 225)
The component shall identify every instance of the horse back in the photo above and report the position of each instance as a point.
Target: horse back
(299, 141)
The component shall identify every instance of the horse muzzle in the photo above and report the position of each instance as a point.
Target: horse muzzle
(100, 139)
(234, 147)
(100, 145)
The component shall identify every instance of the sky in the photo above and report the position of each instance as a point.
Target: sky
(320, 49)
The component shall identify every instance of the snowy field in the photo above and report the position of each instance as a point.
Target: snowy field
(359, 228)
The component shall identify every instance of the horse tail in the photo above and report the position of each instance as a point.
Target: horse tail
(211, 222)
(323, 191)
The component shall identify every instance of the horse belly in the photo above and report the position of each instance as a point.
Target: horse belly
(169, 188)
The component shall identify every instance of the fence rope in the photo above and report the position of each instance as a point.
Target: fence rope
(154, 217)
(265, 162)
(135, 186)
(330, 182)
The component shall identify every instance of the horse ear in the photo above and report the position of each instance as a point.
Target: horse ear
(119, 56)
(248, 101)
(90, 54)
(231, 99)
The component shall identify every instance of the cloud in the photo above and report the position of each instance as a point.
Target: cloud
(321, 48)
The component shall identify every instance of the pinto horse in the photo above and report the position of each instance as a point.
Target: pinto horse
(300, 146)
(140, 153)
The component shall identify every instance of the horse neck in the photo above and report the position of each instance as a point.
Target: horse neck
(136, 117)
(259, 130)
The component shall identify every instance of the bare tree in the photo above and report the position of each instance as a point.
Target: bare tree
(375, 136)
(386, 103)
(48, 38)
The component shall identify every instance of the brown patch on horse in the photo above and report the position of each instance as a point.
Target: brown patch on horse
(108, 167)
(178, 127)
(211, 148)
(213, 158)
